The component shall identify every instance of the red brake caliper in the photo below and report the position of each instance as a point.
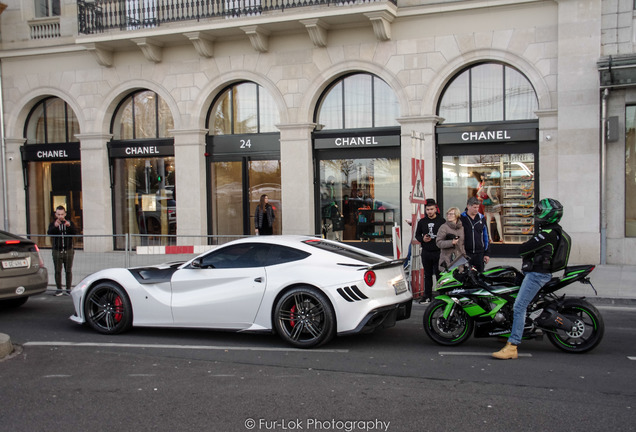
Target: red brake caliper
(118, 305)
(292, 320)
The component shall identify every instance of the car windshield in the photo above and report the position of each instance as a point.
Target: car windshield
(344, 251)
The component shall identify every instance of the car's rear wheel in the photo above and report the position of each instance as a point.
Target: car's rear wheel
(303, 317)
(107, 308)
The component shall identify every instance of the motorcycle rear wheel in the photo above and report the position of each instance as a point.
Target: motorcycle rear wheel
(453, 330)
(588, 328)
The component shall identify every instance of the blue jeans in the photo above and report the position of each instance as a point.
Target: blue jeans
(532, 283)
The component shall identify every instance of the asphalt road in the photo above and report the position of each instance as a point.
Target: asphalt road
(67, 377)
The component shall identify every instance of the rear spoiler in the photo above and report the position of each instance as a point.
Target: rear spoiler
(378, 266)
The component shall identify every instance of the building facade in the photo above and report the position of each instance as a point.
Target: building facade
(145, 118)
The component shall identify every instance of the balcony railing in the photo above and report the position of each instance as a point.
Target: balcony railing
(99, 16)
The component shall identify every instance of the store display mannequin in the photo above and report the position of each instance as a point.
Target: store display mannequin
(492, 205)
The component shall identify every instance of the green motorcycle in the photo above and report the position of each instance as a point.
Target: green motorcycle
(469, 301)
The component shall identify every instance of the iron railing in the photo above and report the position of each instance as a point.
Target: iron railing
(99, 16)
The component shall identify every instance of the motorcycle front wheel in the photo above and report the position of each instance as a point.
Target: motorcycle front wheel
(587, 331)
(453, 330)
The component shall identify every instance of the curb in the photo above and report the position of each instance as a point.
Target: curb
(6, 347)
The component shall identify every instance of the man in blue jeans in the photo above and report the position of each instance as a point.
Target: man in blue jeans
(537, 254)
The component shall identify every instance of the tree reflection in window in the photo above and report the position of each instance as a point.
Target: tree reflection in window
(143, 114)
(488, 92)
(51, 121)
(358, 101)
(243, 108)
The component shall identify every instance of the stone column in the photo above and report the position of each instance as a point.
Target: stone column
(191, 189)
(97, 206)
(297, 178)
(16, 194)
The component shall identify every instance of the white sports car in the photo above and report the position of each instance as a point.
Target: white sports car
(304, 288)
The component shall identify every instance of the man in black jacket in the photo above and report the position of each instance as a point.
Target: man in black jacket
(63, 251)
(426, 234)
(475, 235)
(537, 265)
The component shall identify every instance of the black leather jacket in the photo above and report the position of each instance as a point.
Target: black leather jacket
(537, 252)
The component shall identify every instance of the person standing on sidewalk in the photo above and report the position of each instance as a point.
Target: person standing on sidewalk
(63, 251)
(475, 234)
(426, 234)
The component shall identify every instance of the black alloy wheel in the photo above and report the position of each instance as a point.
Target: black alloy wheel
(303, 317)
(107, 308)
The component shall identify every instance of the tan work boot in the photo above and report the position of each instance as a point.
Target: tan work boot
(507, 352)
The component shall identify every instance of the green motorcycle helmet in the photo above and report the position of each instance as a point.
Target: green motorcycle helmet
(548, 211)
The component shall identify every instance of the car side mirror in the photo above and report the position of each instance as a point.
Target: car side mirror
(196, 263)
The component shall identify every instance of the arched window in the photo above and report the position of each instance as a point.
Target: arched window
(142, 115)
(357, 151)
(358, 101)
(243, 108)
(144, 180)
(51, 121)
(488, 92)
(244, 147)
(52, 153)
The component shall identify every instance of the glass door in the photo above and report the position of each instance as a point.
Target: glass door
(237, 187)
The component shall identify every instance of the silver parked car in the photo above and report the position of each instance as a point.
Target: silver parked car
(22, 271)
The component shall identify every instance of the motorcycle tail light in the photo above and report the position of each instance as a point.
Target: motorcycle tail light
(369, 277)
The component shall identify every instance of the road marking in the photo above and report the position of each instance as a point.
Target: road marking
(192, 347)
(631, 358)
(478, 354)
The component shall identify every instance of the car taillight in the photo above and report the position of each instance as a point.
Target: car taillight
(37, 249)
(369, 277)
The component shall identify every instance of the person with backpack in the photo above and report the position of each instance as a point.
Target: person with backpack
(475, 234)
(546, 252)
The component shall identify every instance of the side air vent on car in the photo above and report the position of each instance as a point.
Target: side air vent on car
(351, 293)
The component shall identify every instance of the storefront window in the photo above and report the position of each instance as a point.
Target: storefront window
(142, 160)
(504, 185)
(145, 200)
(358, 101)
(488, 92)
(53, 167)
(630, 171)
(359, 198)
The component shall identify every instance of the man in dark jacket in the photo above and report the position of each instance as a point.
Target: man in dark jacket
(475, 235)
(426, 234)
(63, 251)
(537, 255)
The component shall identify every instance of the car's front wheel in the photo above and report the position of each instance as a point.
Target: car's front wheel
(303, 317)
(107, 308)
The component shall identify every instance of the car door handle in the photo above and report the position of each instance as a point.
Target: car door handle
(258, 279)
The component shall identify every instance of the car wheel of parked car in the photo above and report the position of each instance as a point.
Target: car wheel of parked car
(107, 308)
(303, 317)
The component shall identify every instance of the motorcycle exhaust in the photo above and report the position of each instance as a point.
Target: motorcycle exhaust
(551, 319)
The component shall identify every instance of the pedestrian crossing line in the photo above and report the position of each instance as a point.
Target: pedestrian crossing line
(476, 354)
(190, 347)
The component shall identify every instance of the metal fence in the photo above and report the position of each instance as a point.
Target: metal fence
(139, 250)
